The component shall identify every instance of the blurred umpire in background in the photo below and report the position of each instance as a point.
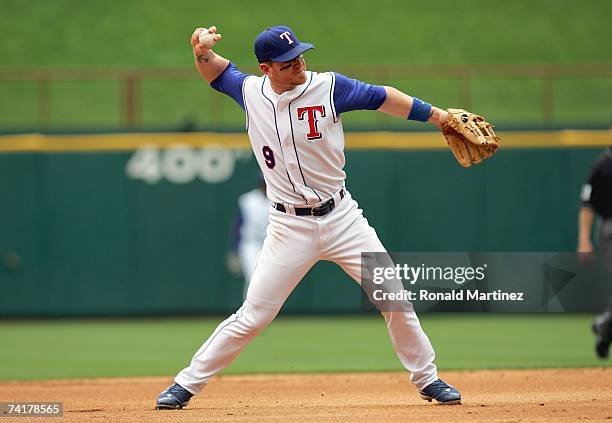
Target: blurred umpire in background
(596, 199)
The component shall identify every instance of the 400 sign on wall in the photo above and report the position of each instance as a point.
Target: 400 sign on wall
(181, 163)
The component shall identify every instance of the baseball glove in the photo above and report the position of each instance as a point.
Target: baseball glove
(470, 137)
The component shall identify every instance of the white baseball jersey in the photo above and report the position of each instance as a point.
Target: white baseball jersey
(297, 138)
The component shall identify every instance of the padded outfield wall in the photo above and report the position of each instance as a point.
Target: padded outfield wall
(138, 224)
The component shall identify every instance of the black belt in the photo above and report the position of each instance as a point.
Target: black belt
(320, 210)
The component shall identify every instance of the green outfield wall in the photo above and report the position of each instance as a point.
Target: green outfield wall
(138, 224)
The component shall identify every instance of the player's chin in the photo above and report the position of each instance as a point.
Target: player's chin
(300, 78)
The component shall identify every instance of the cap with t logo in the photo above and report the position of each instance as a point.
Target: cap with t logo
(278, 44)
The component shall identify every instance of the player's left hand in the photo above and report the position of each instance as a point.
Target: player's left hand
(470, 137)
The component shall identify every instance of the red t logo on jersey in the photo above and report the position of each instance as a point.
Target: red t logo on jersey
(313, 133)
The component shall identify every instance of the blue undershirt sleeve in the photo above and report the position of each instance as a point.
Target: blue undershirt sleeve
(352, 94)
(230, 82)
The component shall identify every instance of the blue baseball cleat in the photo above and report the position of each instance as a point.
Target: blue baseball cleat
(173, 398)
(441, 392)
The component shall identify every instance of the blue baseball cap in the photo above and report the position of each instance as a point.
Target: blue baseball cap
(278, 44)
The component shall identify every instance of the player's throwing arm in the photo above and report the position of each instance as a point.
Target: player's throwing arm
(209, 64)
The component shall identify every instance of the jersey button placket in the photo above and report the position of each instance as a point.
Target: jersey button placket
(286, 141)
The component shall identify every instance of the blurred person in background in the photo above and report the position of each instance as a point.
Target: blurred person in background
(248, 233)
(596, 196)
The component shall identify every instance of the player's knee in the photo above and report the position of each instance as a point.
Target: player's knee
(256, 318)
(401, 318)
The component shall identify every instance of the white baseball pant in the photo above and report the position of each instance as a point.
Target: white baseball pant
(292, 246)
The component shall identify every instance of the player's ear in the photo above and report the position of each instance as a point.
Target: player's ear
(265, 68)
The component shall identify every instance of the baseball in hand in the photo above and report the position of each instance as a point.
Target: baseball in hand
(207, 39)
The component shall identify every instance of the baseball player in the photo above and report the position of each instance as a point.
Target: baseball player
(596, 196)
(293, 119)
(248, 233)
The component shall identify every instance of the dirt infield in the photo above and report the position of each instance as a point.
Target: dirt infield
(502, 396)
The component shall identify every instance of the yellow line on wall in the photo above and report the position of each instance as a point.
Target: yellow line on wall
(432, 140)
(118, 142)
(354, 140)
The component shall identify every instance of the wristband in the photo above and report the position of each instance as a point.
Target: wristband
(420, 110)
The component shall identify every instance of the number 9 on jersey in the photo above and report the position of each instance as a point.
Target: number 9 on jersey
(268, 156)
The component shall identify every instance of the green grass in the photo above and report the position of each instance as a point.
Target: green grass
(151, 33)
(96, 348)
(155, 33)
